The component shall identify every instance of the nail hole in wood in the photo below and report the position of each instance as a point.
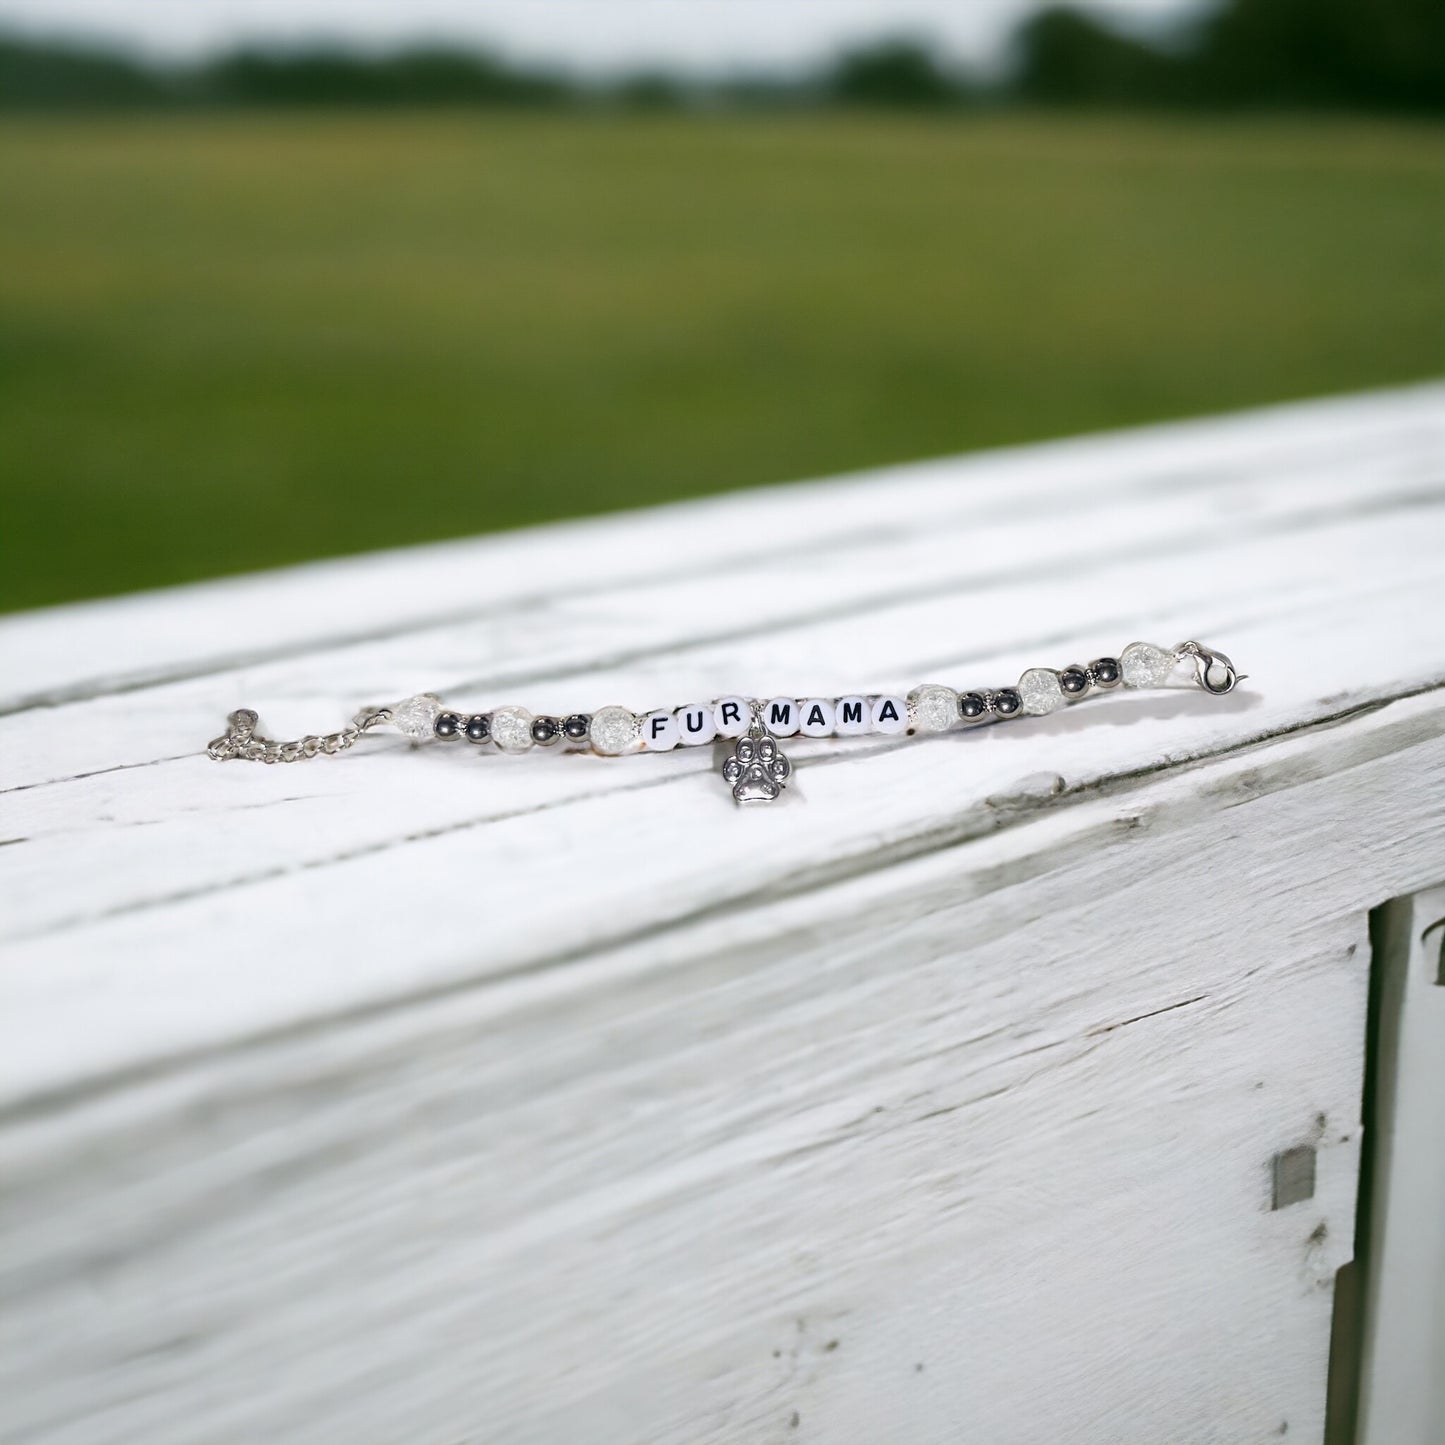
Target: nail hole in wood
(1294, 1176)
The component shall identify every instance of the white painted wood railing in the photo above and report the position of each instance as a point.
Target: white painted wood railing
(1001, 1087)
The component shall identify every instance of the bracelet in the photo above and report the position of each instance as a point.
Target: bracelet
(756, 768)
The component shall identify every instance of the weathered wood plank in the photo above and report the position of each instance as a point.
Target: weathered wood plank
(271, 856)
(919, 1145)
(410, 1095)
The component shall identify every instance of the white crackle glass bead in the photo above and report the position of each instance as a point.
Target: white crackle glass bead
(416, 717)
(816, 717)
(1040, 692)
(853, 716)
(659, 732)
(780, 716)
(731, 716)
(512, 729)
(1141, 664)
(613, 730)
(890, 714)
(934, 708)
(696, 725)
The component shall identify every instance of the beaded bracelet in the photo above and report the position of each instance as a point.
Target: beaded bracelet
(755, 769)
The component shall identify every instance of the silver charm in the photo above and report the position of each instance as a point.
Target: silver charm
(756, 768)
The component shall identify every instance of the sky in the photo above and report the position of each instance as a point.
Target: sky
(699, 36)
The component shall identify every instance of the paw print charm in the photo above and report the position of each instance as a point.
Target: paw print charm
(757, 768)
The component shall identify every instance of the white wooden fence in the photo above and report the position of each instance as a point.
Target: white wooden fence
(999, 1087)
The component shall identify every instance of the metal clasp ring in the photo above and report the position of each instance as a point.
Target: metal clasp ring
(1213, 671)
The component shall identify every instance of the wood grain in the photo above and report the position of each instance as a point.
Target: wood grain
(415, 1095)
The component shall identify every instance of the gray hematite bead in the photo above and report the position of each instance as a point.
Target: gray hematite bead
(417, 716)
(512, 729)
(1040, 691)
(614, 730)
(933, 707)
(1144, 665)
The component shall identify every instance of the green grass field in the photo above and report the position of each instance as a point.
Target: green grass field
(227, 343)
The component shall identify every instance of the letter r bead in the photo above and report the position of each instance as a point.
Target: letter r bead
(732, 716)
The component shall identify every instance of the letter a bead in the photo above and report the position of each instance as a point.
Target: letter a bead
(817, 717)
(890, 714)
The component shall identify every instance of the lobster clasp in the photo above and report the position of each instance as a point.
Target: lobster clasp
(1213, 671)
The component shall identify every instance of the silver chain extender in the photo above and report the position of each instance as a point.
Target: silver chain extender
(241, 740)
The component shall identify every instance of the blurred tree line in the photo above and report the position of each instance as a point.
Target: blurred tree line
(1384, 55)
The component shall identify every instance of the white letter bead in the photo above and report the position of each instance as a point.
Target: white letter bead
(780, 717)
(659, 732)
(854, 715)
(732, 716)
(890, 715)
(816, 717)
(696, 725)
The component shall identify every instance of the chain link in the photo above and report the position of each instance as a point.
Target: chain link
(241, 740)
